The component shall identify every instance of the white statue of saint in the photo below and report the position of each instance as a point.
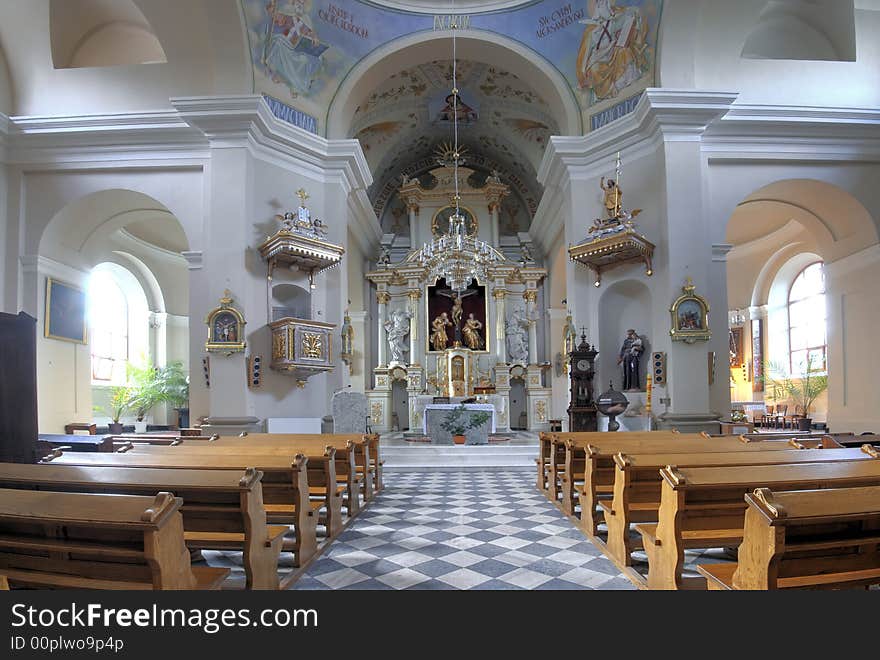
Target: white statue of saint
(397, 328)
(517, 331)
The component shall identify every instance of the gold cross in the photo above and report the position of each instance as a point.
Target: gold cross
(303, 196)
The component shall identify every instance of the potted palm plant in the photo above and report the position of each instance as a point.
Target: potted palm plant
(173, 383)
(146, 391)
(457, 423)
(802, 387)
(119, 404)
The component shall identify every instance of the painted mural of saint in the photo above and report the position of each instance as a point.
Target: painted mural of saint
(292, 51)
(614, 49)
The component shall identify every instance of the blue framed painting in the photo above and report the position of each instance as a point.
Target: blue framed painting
(65, 312)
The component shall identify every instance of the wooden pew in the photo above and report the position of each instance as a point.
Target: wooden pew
(703, 507)
(90, 541)
(565, 453)
(285, 485)
(222, 509)
(367, 459)
(598, 473)
(46, 442)
(819, 539)
(323, 484)
(352, 454)
(637, 484)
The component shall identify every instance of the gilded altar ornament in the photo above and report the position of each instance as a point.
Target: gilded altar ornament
(225, 328)
(312, 346)
(347, 344)
(541, 410)
(614, 240)
(690, 316)
(471, 333)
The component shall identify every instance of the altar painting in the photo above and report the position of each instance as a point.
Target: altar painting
(457, 325)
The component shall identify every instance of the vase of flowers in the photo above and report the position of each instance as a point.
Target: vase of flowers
(457, 422)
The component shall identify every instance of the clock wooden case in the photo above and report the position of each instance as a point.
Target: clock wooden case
(582, 414)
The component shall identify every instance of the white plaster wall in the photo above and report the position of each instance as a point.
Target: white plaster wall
(6, 98)
(204, 46)
(626, 304)
(853, 317)
(701, 43)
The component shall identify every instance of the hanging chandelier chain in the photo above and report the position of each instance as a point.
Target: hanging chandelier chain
(456, 256)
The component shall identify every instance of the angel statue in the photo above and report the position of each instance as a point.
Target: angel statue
(439, 338)
(471, 332)
(397, 328)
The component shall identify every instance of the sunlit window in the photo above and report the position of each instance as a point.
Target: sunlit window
(108, 329)
(806, 319)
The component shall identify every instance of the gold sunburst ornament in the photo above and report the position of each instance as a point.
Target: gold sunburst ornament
(448, 155)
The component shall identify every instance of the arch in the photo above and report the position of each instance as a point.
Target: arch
(291, 300)
(90, 33)
(480, 45)
(834, 218)
(76, 221)
(623, 305)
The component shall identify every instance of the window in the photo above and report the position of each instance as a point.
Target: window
(806, 319)
(108, 329)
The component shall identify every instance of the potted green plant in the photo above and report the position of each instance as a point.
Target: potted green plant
(802, 387)
(119, 404)
(457, 423)
(173, 383)
(146, 391)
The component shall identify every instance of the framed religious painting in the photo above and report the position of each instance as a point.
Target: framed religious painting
(690, 316)
(735, 341)
(456, 319)
(440, 221)
(225, 328)
(65, 312)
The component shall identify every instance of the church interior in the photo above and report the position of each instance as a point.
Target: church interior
(439, 294)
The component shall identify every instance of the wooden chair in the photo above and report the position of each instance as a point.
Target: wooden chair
(87, 541)
(768, 418)
(821, 539)
(779, 419)
(222, 509)
(704, 507)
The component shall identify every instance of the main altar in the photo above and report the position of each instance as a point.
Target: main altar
(452, 345)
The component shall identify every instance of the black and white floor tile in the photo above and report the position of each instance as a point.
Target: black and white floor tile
(467, 529)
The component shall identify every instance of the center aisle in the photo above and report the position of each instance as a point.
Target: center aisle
(463, 529)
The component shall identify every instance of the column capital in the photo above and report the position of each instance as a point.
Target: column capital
(193, 259)
(530, 295)
(720, 250)
(383, 297)
(499, 294)
(414, 294)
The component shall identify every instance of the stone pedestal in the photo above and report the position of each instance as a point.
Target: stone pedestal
(502, 390)
(414, 388)
(379, 400)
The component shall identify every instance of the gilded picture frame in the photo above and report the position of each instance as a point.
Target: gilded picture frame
(225, 328)
(690, 316)
(65, 312)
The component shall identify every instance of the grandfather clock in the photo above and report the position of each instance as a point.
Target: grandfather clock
(582, 407)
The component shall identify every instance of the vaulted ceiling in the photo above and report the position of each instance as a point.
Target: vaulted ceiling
(401, 123)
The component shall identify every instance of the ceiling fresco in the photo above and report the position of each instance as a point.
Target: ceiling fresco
(302, 50)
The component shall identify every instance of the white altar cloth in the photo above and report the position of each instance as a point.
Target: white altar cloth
(488, 407)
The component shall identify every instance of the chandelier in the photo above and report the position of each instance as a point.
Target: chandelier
(455, 255)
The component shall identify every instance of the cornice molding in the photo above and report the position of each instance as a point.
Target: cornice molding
(31, 263)
(151, 249)
(233, 121)
(661, 115)
(193, 259)
(870, 256)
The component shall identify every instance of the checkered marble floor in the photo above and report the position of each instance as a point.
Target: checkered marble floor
(463, 529)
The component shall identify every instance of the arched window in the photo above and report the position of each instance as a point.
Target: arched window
(806, 319)
(118, 323)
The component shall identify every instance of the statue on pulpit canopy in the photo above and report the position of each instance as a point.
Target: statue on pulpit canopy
(439, 339)
(471, 332)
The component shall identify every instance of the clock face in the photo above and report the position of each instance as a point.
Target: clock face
(583, 365)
